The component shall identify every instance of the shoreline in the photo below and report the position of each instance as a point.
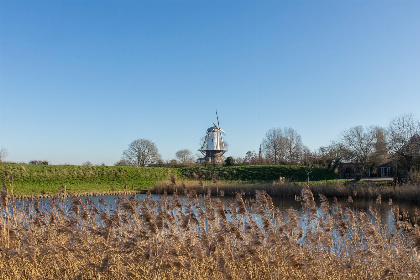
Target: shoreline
(409, 193)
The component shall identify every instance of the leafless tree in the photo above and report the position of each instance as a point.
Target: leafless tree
(359, 143)
(3, 154)
(282, 145)
(294, 146)
(184, 156)
(274, 145)
(400, 130)
(250, 158)
(330, 156)
(308, 157)
(122, 162)
(141, 152)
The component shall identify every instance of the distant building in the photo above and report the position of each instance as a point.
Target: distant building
(213, 146)
(351, 170)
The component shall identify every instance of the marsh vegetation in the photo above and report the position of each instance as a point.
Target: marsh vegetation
(197, 237)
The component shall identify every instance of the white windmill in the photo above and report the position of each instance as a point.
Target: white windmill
(213, 146)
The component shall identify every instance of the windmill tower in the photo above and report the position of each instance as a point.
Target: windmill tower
(213, 146)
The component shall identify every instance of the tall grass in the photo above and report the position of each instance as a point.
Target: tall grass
(201, 239)
(330, 188)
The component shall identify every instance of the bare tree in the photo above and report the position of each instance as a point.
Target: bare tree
(3, 154)
(121, 162)
(141, 152)
(250, 158)
(359, 143)
(184, 156)
(283, 146)
(294, 146)
(273, 145)
(308, 157)
(400, 130)
(330, 156)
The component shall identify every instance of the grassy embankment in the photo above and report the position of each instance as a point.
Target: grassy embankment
(49, 179)
(39, 179)
(275, 180)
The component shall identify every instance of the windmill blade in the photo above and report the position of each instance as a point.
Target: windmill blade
(205, 141)
(217, 116)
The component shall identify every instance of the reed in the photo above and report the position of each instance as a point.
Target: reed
(284, 188)
(200, 238)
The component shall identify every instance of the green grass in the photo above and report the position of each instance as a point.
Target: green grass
(255, 173)
(41, 179)
(48, 179)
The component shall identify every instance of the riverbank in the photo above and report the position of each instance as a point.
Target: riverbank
(329, 188)
(287, 181)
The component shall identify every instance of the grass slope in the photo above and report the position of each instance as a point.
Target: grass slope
(48, 179)
(255, 173)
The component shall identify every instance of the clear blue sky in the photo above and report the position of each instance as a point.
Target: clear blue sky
(80, 80)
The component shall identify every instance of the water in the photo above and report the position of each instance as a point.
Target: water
(406, 209)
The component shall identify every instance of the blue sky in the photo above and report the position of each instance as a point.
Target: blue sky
(80, 80)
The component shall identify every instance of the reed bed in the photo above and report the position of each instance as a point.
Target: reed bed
(197, 237)
(331, 188)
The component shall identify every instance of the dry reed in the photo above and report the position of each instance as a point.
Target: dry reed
(197, 237)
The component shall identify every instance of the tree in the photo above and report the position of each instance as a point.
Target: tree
(404, 144)
(294, 146)
(250, 158)
(3, 154)
(273, 145)
(330, 156)
(141, 152)
(121, 162)
(184, 156)
(283, 146)
(229, 161)
(359, 143)
(400, 130)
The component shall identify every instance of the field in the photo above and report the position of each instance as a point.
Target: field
(201, 239)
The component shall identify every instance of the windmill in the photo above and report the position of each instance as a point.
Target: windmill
(213, 146)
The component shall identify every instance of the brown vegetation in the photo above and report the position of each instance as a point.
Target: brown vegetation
(201, 239)
(284, 188)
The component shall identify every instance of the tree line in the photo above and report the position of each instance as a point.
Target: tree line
(372, 145)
